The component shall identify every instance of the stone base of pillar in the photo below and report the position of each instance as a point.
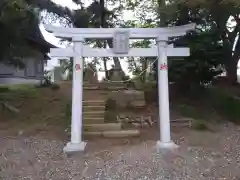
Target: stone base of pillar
(164, 147)
(74, 147)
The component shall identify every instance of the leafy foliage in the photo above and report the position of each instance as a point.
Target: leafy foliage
(214, 44)
(16, 19)
(220, 22)
(203, 64)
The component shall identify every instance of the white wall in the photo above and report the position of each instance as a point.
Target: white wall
(8, 81)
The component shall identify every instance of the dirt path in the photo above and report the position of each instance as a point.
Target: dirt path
(202, 155)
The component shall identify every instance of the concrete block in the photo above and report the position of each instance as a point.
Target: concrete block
(93, 108)
(121, 133)
(103, 127)
(92, 133)
(94, 102)
(93, 114)
(93, 120)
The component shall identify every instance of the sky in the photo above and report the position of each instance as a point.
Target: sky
(49, 37)
(128, 15)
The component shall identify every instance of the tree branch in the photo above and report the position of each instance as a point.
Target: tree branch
(237, 49)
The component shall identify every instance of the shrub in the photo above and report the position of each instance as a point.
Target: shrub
(111, 105)
(199, 125)
(46, 82)
(228, 107)
(110, 116)
(111, 110)
(55, 87)
(4, 89)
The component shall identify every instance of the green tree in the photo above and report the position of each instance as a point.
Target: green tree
(213, 45)
(16, 19)
(220, 21)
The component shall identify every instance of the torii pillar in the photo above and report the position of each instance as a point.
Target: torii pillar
(165, 142)
(76, 143)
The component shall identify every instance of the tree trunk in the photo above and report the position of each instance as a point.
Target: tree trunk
(161, 13)
(103, 22)
(145, 64)
(163, 22)
(231, 64)
(105, 66)
(109, 42)
(115, 59)
(231, 71)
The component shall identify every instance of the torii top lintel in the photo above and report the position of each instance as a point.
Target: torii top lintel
(134, 33)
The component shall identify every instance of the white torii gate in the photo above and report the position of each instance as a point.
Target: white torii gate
(121, 38)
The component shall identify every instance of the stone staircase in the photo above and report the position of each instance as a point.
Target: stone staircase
(94, 98)
(93, 111)
(104, 86)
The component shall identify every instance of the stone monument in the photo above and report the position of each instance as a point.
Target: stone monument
(90, 74)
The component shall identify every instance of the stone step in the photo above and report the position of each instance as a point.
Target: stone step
(121, 133)
(91, 88)
(93, 103)
(93, 120)
(98, 92)
(111, 86)
(91, 133)
(114, 134)
(91, 84)
(108, 88)
(102, 127)
(181, 122)
(109, 83)
(93, 108)
(93, 114)
(94, 97)
(114, 88)
(103, 86)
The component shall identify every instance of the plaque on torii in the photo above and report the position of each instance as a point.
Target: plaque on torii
(121, 42)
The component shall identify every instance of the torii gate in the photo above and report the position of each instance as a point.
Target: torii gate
(121, 48)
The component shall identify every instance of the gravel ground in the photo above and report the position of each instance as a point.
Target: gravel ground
(201, 156)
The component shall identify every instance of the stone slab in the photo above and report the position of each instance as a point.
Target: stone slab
(74, 147)
(121, 133)
(92, 133)
(93, 120)
(102, 127)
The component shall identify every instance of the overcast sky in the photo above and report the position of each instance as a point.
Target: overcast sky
(49, 37)
(127, 15)
(68, 3)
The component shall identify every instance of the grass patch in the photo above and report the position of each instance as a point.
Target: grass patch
(214, 102)
(226, 105)
(12, 92)
(40, 107)
(199, 125)
(189, 111)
